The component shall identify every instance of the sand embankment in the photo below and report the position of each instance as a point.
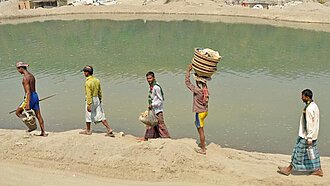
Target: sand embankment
(67, 157)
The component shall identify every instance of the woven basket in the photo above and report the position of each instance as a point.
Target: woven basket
(29, 119)
(207, 58)
(203, 67)
(201, 72)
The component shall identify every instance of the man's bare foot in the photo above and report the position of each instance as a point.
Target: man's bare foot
(86, 132)
(42, 134)
(200, 151)
(317, 172)
(285, 170)
(142, 139)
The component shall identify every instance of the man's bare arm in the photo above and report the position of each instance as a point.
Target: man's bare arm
(26, 86)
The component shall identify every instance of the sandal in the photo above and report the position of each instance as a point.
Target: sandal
(200, 151)
(86, 132)
(110, 134)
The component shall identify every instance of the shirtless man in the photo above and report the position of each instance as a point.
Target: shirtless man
(31, 100)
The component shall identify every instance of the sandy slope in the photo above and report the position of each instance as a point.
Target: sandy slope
(161, 160)
(314, 15)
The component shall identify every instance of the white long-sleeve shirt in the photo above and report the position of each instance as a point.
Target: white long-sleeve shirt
(312, 122)
(157, 99)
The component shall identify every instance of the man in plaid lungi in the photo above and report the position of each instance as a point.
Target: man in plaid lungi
(155, 100)
(308, 132)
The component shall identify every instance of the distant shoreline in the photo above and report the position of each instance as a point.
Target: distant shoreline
(310, 16)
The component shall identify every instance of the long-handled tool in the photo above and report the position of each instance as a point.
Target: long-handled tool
(39, 100)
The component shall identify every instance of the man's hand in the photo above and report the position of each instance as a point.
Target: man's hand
(309, 142)
(89, 108)
(27, 107)
(189, 68)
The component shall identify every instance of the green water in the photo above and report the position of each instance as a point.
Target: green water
(255, 95)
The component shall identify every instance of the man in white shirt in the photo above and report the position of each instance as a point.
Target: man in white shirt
(155, 101)
(308, 132)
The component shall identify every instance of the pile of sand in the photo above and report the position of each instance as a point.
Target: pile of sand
(164, 160)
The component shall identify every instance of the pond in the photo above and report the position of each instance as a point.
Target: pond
(255, 100)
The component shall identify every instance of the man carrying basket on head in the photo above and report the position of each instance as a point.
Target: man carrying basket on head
(200, 105)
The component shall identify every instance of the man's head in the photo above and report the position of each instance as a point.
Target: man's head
(150, 77)
(201, 80)
(306, 95)
(88, 70)
(21, 66)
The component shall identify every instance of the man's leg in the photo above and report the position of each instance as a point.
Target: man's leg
(202, 140)
(199, 122)
(19, 111)
(107, 126)
(161, 127)
(41, 123)
(88, 116)
(87, 131)
(109, 130)
(151, 132)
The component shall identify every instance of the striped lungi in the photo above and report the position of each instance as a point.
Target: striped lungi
(299, 158)
(159, 130)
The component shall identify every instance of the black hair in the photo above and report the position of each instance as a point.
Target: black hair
(23, 67)
(150, 74)
(89, 70)
(307, 93)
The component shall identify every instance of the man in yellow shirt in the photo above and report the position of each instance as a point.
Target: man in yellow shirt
(94, 110)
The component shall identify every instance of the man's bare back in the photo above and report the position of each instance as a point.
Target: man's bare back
(30, 80)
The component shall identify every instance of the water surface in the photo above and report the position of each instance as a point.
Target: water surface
(255, 95)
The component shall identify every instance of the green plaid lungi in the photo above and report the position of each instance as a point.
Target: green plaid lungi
(299, 158)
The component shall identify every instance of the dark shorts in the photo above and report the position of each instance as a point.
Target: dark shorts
(34, 101)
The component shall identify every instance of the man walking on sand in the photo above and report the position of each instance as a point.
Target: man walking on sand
(155, 100)
(94, 110)
(308, 132)
(31, 99)
(200, 105)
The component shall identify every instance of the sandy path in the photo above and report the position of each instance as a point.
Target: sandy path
(122, 158)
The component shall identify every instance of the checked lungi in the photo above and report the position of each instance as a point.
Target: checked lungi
(299, 158)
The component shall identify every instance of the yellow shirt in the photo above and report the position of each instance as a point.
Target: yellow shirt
(92, 89)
